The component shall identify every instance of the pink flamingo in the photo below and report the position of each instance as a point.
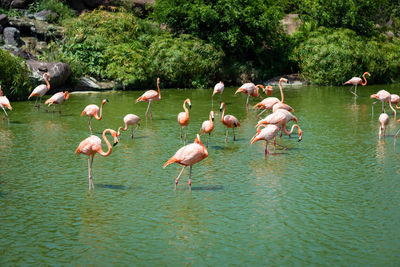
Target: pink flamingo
(395, 99)
(266, 104)
(268, 133)
(300, 132)
(268, 90)
(41, 90)
(249, 89)
(4, 103)
(383, 96)
(93, 111)
(188, 156)
(92, 145)
(280, 118)
(208, 126)
(383, 121)
(356, 81)
(229, 121)
(218, 88)
(150, 96)
(183, 117)
(57, 98)
(130, 119)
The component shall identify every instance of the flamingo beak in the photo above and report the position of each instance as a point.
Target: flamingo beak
(190, 106)
(115, 143)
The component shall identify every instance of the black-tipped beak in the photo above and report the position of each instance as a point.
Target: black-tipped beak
(190, 106)
(116, 143)
(220, 109)
(212, 119)
(300, 139)
(107, 100)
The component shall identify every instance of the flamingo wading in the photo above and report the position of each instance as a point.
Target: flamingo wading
(218, 88)
(130, 120)
(208, 126)
(183, 118)
(4, 102)
(356, 81)
(92, 110)
(57, 98)
(92, 145)
(250, 89)
(41, 90)
(150, 96)
(229, 121)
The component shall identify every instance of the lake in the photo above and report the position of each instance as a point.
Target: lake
(332, 199)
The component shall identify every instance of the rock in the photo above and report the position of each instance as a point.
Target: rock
(12, 36)
(29, 44)
(293, 79)
(389, 34)
(41, 29)
(291, 22)
(46, 15)
(21, 4)
(59, 72)
(3, 20)
(92, 84)
(81, 5)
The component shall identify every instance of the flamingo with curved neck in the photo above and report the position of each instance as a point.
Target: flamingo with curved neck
(150, 96)
(300, 132)
(92, 110)
(183, 118)
(4, 102)
(229, 121)
(355, 81)
(208, 126)
(92, 145)
(41, 89)
(383, 96)
(130, 119)
(268, 133)
(250, 89)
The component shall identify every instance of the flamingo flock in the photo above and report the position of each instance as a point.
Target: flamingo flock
(267, 128)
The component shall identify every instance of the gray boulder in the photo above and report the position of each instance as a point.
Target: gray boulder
(3, 20)
(46, 15)
(59, 72)
(12, 36)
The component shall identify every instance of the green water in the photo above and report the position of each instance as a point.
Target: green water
(332, 199)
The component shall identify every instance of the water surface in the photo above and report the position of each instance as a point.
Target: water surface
(332, 199)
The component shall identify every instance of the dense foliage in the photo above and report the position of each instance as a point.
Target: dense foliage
(249, 32)
(14, 76)
(331, 56)
(57, 6)
(119, 46)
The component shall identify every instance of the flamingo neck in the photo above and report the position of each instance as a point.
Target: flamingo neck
(1, 91)
(280, 88)
(185, 108)
(291, 130)
(391, 107)
(47, 82)
(365, 80)
(211, 121)
(100, 151)
(223, 114)
(158, 88)
(101, 112)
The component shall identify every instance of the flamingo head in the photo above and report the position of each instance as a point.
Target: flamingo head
(374, 96)
(158, 80)
(268, 90)
(300, 135)
(294, 119)
(115, 135)
(222, 106)
(283, 80)
(104, 101)
(7, 105)
(366, 73)
(66, 95)
(46, 75)
(190, 104)
(212, 115)
(241, 90)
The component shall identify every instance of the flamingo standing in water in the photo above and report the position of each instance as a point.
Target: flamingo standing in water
(268, 133)
(229, 121)
(218, 88)
(383, 122)
(41, 90)
(250, 89)
(92, 110)
(150, 96)
(383, 96)
(4, 103)
(130, 120)
(92, 145)
(183, 117)
(356, 81)
(188, 156)
(57, 98)
(208, 126)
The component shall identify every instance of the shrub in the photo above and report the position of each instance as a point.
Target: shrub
(332, 56)
(14, 76)
(58, 6)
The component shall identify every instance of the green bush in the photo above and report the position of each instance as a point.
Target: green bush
(14, 76)
(122, 47)
(332, 56)
(58, 6)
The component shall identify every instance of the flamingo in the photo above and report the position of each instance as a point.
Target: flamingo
(41, 90)
(92, 145)
(268, 90)
(229, 121)
(383, 96)
(208, 126)
(383, 121)
(268, 133)
(150, 96)
(265, 104)
(280, 118)
(249, 89)
(218, 88)
(188, 155)
(300, 132)
(356, 81)
(183, 117)
(395, 99)
(4, 103)
(130, 119)
(93, 111)
(57, 98)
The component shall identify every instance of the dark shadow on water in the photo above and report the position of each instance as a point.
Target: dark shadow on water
(208, 188)
(217, 147)
(116, 186)
(240, 139)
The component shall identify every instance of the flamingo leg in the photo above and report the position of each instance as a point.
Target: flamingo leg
(281, 146)
(266, 148)
(36, 102)
(220, 98)
(226, 136)
(40, 100)
(151, 113)
(234, 137)
(91, 167)
(373, 108)
(186, 130)
(148, 106)
(4, 111)
(212, 102)
(190, 178)
(181, 132)
(179, 176)
(90, 126)
(247, 102)
(134, 130)
(394, 111)
(209, 134)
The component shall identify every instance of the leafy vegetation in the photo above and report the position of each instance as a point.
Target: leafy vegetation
(332, 56)
(58, 6)
(14, 76)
